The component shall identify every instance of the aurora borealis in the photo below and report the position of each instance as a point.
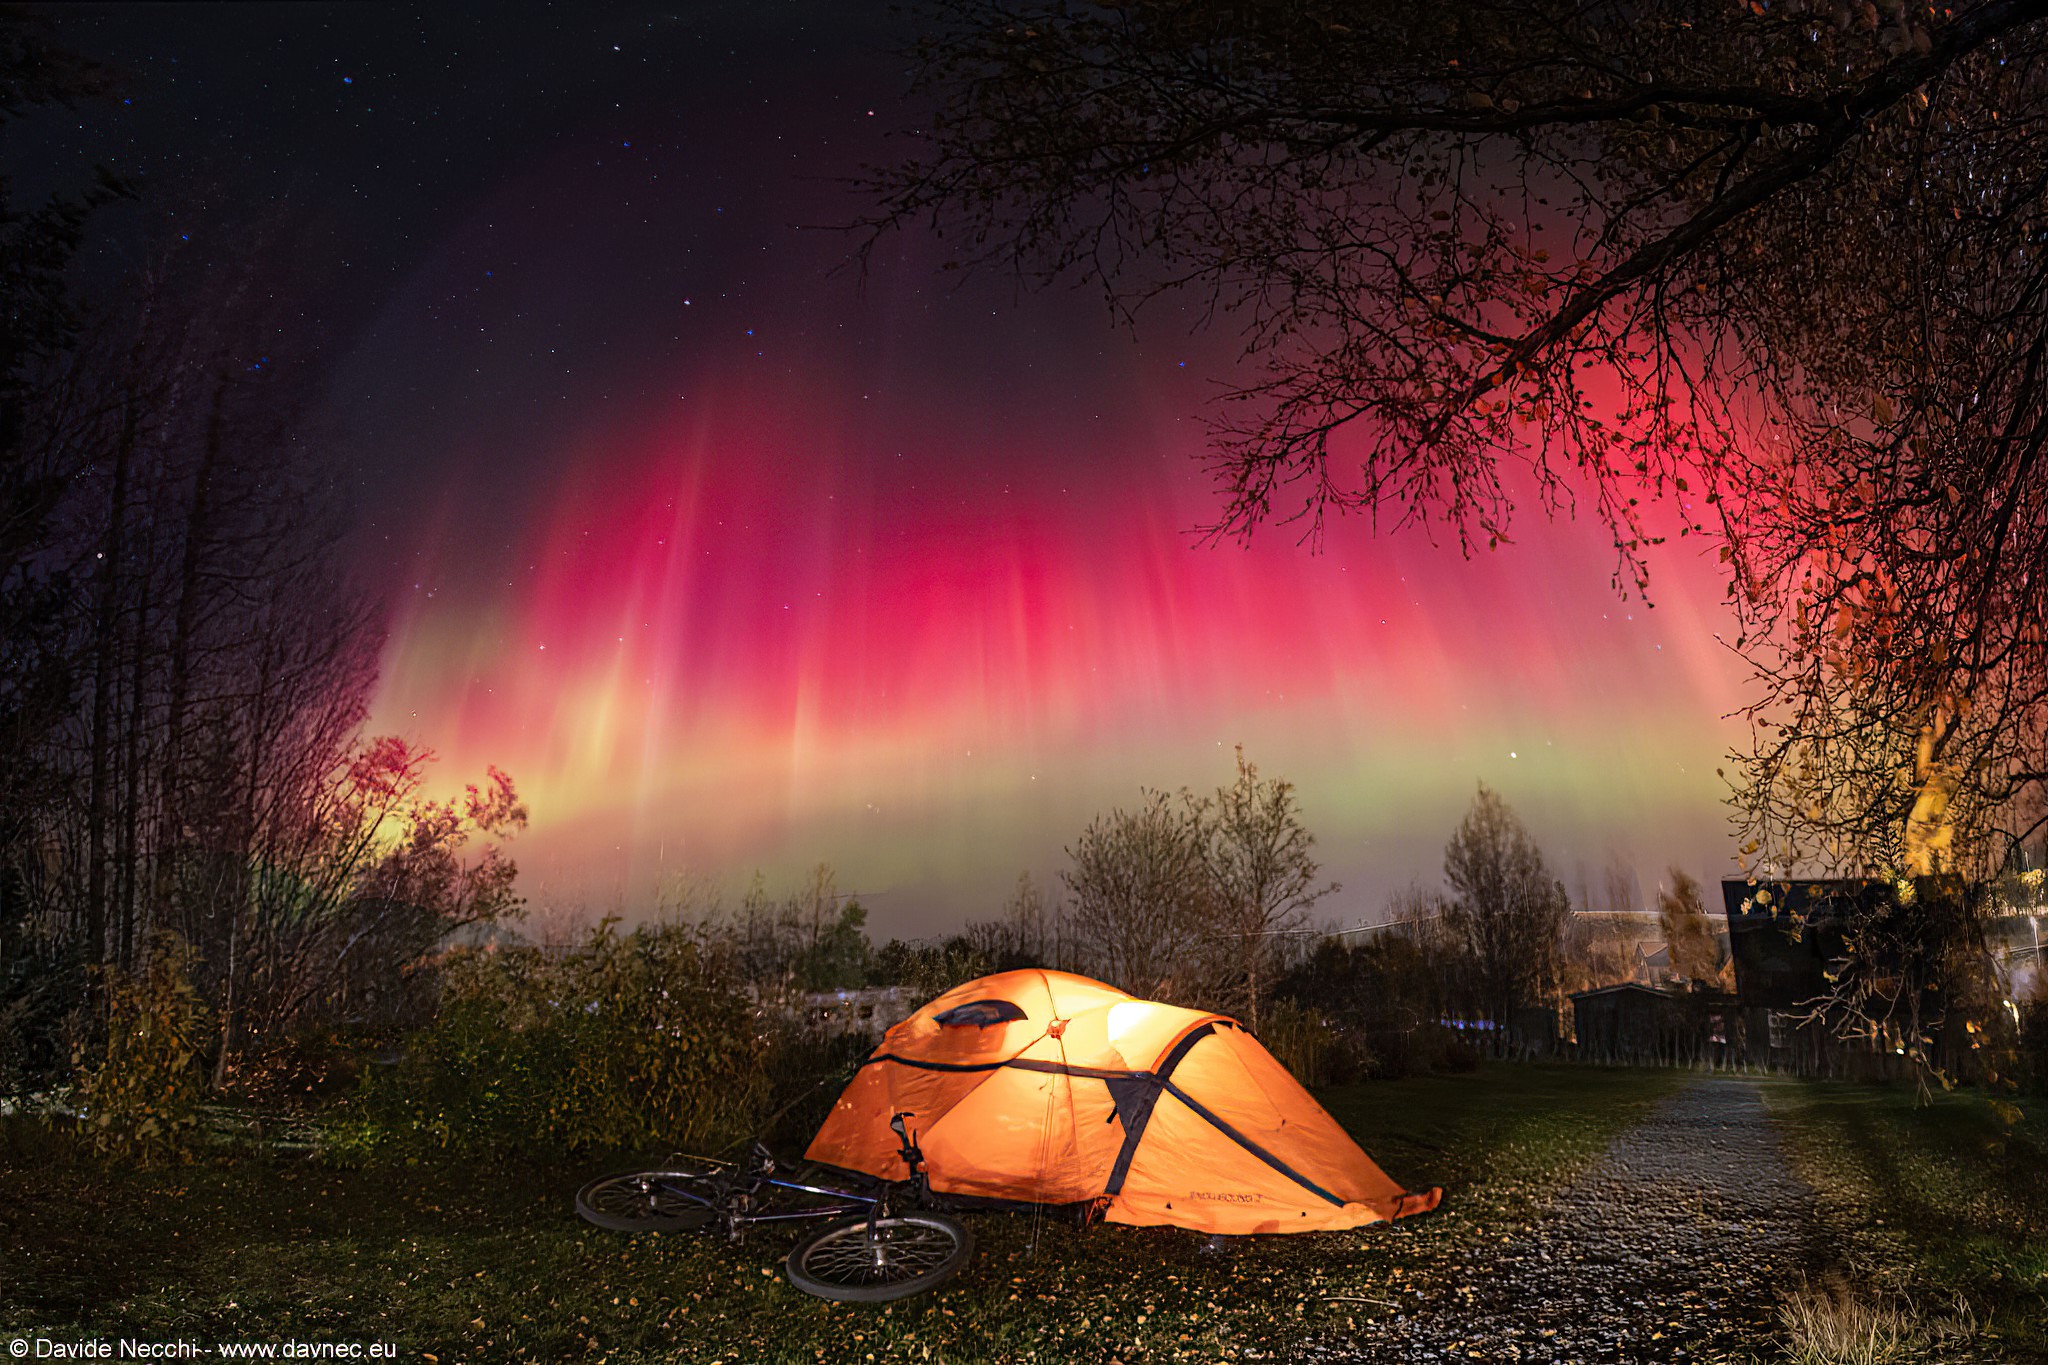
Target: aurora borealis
(753, 633)
(736, 558)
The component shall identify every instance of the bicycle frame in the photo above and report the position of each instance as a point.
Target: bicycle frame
(882, 1251)
(744, 1181)
(855, 1202)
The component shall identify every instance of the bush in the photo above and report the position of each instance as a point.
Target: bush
(626, 1042)
(44, 1020)
(142, 1100)
(1384, 999)
(306, 1069)
(1303, 1042)
(1456, 1055)
(931, 968)
(808, 1070)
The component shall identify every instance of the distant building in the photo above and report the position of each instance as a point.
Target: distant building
(1785, 937)
(1638, 937)
(1653, 1025)
(1635, 936)
(871, 1010)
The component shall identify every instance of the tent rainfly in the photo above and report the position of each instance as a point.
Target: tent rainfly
(1049, 1088)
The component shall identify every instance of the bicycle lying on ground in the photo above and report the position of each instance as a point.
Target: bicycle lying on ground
(888, 1242)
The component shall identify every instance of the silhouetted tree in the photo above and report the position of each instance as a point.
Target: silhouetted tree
(815, 939)
(1034, 923)
(1141, 909)
(1262, 881)
(1430, 221)
(1781, 266)
(44, 405)
(928, 968)
(1623, 888)
(1386, 994)
(1506, 911)
(185, 668)
(353, 884)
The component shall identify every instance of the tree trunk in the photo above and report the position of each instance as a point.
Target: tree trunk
(130, 857)
(221, 1064)
(244, 904)
(100, 741)
(198, 531)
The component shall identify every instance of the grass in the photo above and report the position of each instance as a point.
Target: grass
(1836, 1326)
(1939, 1212)
(478, 1263)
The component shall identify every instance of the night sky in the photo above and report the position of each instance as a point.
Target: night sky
(736, 559)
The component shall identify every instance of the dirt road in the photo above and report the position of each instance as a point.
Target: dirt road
(1673, 1246)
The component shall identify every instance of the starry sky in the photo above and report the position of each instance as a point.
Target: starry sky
(738, 558)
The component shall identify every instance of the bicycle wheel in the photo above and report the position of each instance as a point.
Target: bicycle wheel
(651, 1201)
(897, 1257)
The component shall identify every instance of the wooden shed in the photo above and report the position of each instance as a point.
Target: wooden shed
(1642, 1024)
(1620, 1023)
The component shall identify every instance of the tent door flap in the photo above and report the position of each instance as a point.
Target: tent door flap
(1133, 1097)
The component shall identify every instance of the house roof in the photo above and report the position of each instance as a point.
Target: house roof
(1655, 991)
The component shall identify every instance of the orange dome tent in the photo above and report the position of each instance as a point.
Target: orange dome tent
(1050, 1088)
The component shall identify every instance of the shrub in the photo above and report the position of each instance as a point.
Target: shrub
(626, 1042)
(1303, 1042)
(808, 1069)
(1385, 998)
(44, 1020)
(307, 1068)
(931, 968)
(1457, 1056)
(142, 1100)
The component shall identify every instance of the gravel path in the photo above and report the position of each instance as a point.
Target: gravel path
(1673, 1246)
